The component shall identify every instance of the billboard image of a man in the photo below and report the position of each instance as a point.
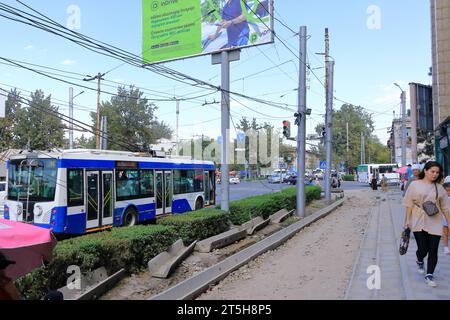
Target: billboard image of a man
(235, 23)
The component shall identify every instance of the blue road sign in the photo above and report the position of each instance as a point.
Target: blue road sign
(323, 165)
(241, 137)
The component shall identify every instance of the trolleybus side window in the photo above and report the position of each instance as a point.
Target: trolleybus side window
(76, 187)
(183, 181)
(147, 183)
(127, 182)
(198, 181)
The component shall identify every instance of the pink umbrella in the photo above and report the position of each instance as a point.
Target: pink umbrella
(402, 170)
(29, 246)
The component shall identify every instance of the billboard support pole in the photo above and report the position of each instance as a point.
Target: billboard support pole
(301, 140)
(224, 58)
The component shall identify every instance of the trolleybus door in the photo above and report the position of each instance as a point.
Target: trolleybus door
(92, 203)
(107, 198)
(164, 192)
(207, 184)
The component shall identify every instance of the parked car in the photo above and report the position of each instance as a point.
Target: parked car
(234, 180)
(274, 178)
(2, 196)
(318, 173)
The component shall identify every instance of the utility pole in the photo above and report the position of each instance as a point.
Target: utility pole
(403, 100)
(347, 146)
(224, 58)
(71, 98)
(177, 136)
(301, 122)
(361, 152)
(98, 77)
(329, 130)
(70, 118)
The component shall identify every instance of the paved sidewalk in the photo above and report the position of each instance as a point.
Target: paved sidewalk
(399, 277)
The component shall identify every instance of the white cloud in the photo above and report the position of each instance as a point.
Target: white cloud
(118, 80)
(68, 62)
(29, 47)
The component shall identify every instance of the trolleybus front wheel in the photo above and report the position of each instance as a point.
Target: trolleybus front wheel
(130, 217)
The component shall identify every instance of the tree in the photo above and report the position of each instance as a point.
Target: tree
(359, 121)
(85, 143)
(38, 126)
(132, 124)
(8, 124)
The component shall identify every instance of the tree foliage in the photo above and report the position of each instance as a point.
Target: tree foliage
(36, 126)
(359, 121)
(131, 123)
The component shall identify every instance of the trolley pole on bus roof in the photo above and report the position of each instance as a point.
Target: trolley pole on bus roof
(301, 123)
(224, 58)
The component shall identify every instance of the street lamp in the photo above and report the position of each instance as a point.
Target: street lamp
(403, 100)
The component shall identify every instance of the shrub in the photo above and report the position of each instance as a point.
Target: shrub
(198, 225)
(244, 210)
(129, 248)
(349, 177)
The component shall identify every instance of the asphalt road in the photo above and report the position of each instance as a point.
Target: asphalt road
(248, 189)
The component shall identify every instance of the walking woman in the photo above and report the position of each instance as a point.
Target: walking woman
(427, 229)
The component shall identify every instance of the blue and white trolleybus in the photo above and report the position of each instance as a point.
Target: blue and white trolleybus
(80, 191)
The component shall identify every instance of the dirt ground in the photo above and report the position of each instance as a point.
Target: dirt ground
(142, 286)
(315, 264)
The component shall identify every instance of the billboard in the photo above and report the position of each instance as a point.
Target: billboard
(177, 29)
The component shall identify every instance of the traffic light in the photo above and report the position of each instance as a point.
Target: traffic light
(286, 129)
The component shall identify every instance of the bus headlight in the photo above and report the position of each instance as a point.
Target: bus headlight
(38, 211)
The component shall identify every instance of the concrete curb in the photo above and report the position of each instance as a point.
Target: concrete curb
(196, 285)
(280, 216)
(164, 263)
(254, 225)
(220, 240)
(102, 287)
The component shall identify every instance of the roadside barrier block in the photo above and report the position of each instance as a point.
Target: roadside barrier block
(164, 263)
(280, 216)
(91, 285)
(254, 225)
(220, 240)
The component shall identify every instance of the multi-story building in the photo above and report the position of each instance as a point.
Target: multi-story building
(422, 126)
(395, 142)
(440, 31)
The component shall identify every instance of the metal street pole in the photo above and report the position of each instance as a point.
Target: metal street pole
(70, 118)
(403, 100)
(224, 58)
(329, 131)
(178, 118)
(98, 77)
(404, 128)
(301, 140)
(71, 98)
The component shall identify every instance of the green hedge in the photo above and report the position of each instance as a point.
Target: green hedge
(349, 177)
(244, 210)
(198, 225)
(129, 248)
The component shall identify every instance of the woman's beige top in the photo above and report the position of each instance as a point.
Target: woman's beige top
(418, 193)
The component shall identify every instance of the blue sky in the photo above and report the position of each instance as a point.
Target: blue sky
(368, 61)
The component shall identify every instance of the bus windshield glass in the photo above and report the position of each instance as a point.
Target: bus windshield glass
(32, 179)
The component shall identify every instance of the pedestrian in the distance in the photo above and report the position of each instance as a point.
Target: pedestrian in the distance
(416, 168)
(427, 229)
(374, 183)
(384, 183)
(445, 231)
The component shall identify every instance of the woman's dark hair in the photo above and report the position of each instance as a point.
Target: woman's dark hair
(428, 166)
